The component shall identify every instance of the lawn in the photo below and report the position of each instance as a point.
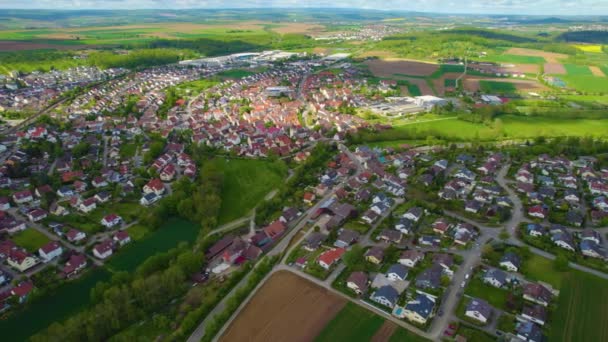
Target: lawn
(30, 239)
(541, 269)
(494, 296)
(54, 307)
(353, 324)
(474, 334)
(581, 309)
(166, 237)
(497, 87)
(138, 231)
(246, 183)
(578, 70)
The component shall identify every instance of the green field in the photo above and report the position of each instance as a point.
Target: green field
(30, 239)
(404, 335)
(586, 83)
(55, 307)
(234, 73)
(511, 127)
(168, 236)
(517, 59)
(581, 309)
(352, 323)
(578, 70)
(246, 183)
(497, 87)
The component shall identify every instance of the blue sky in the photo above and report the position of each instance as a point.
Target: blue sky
(529, 7)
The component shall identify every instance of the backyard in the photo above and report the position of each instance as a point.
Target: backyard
(30, 239)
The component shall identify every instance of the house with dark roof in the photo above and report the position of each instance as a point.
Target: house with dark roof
(358, 282)
(375, 255)
(537, 293)
(429, 278)
(478, 310)
(510, 261)
(411, 257)
(535, 313)
(346, 238)
(397, 272)
(386, 295)
(313, 241)
(495, 277)
(528, 331)
(419, 309)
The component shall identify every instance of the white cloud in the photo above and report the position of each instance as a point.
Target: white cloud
(542, 7)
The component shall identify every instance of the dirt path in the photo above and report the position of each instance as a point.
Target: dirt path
(597, 71)
(385, 332)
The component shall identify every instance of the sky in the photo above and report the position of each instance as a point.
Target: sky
(525, 7)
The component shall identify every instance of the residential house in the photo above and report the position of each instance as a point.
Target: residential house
(510, 261)
(50, 251)
(36, 215)
(375, 255)
(411, 257)
(346, 238)
(528, 331)
(122, 238)
(535, 313)
(537, 293)
(88, 205)
(155, 186)
(75, 264)
(22, 290)
(329, 258)
(389, 235)
(386, 295)
(495, 277)
(478, 310)
(103, 197)
(420, 309)
(21, 260)
(75, 236)
(275, 229)
(406, 226)
(149, 199)
(104, 249)
(594, 250)
(430, 278)
(22, 197)
(564, 240)
(414, 214)
(313, 241)
(111, 220)
(358, 282)
(397, 272)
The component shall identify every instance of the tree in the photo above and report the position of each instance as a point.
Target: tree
(504, 235)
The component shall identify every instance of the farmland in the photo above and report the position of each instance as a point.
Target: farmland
(286, 308)
(341, 328)
(581, 303)
(577, 70)
(510, 127)
(497, 87)
(246, 182)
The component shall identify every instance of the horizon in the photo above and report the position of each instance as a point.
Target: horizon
(542, 8)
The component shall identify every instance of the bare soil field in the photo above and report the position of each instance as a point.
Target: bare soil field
(550, 57)
(555, 69)
(472, 84)
(387, 68)
(385, 332)
(286, 308)
(10, 45)
(526, 68)
(597, 71)
(439, 83)
(421, 83)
